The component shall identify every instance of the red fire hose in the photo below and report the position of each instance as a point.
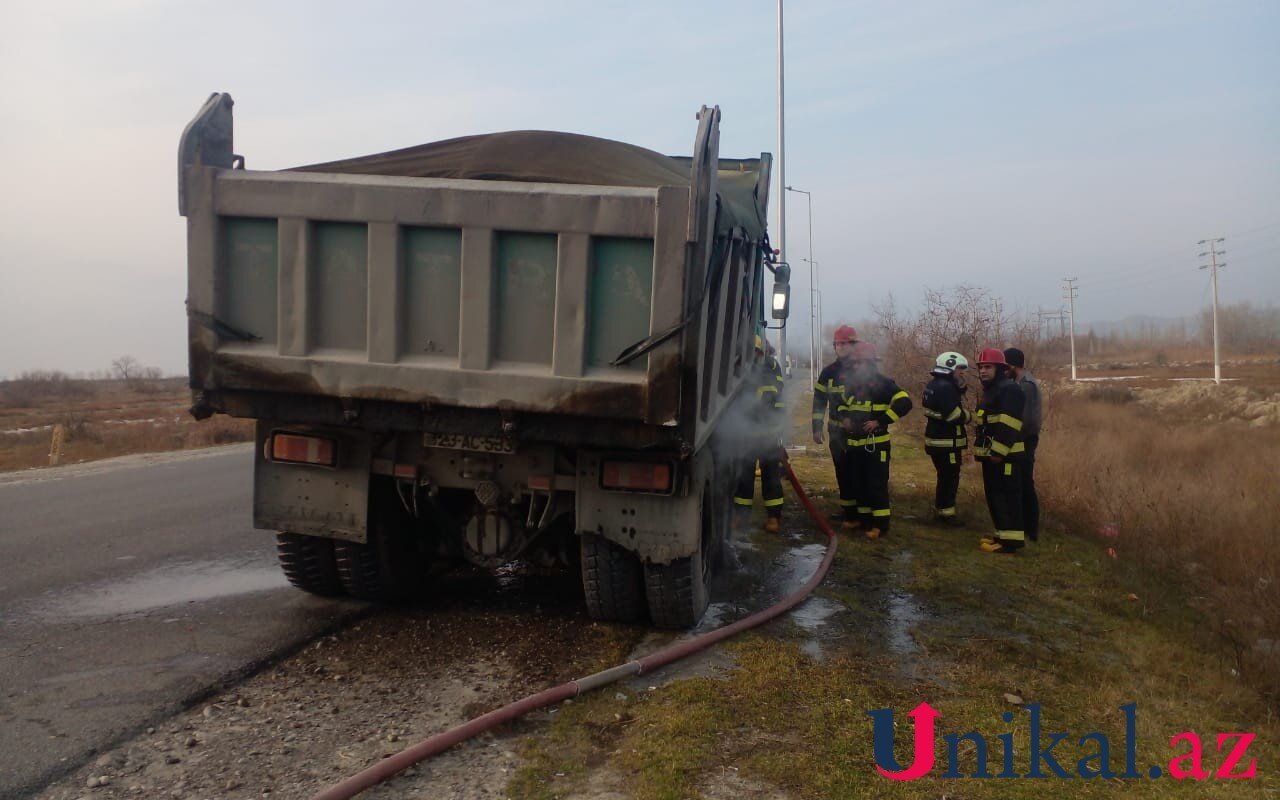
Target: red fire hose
(442, 741)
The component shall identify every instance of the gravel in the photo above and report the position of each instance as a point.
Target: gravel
(350, 699)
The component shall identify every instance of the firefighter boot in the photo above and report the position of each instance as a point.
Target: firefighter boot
(996, 547)
(873, 534)
(772, 525)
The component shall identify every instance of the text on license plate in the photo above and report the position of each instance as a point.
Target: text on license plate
(483, 444)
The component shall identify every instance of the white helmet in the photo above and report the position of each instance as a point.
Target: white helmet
(949, 362)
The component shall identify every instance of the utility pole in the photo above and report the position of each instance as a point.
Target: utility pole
(1069, 287)
(782, 181)
(1213, 252)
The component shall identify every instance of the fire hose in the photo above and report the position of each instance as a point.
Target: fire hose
(391, 765)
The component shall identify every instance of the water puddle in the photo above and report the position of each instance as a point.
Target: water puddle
(812, 617)
(903, 615)
(715, 616)
(171, 585)
(795, 567)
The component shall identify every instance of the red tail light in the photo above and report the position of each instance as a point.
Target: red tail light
(298, 448)
(636, 476)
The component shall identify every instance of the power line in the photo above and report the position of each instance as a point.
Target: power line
(1150, 265)
(1237, 255)
(1268, 226)
(1120, 277)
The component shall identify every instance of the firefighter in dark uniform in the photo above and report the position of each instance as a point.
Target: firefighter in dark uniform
(874, 402)
(944, 433)
(828, 399)
(999, 447)
(769, 414)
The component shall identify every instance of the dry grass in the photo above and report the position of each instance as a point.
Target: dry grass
(102, 419)
(1191, 505)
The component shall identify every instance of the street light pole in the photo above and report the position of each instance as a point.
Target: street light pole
(815, 318)
(813, 265)
(782, 179)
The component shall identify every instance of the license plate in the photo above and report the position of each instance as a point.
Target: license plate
(479, 444)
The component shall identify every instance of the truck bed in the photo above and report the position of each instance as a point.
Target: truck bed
(514, 295)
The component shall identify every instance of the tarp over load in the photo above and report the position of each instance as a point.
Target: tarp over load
(553, 157)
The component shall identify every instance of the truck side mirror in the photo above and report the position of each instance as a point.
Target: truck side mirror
(781, 290)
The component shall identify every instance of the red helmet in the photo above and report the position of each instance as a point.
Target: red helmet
(864, 351)
(991, 355)
(845, 334)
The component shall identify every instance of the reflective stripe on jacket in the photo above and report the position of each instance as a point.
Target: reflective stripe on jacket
(828, 396)
(874, 397)
(947, 417)
(769, 384)
(999, 421)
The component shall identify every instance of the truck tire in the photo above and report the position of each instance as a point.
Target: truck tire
(612, 579)
(387, 567)
(308, 563)
(678, 592)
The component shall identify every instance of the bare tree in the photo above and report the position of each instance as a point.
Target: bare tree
(961, 318)
(135, 376)
(126, 368)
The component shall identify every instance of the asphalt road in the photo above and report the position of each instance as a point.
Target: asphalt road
(128, 589)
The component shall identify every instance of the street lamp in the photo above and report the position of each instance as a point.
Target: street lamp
(815, 352)
(815, 311)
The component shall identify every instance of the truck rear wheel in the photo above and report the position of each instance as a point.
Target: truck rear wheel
(678, 592)
(388, 567)
(379, 570)
(612, 579)
(309, 564)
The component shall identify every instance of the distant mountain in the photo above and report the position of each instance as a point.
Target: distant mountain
(1144, 325)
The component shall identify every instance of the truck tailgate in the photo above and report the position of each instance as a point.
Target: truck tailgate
(436, 291)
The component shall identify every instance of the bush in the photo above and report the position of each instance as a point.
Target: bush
(75, 426)
(1113, 393)
(218, 430)
(34, 385)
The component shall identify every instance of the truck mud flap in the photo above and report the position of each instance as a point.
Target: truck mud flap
(657, 528)
(332, 502)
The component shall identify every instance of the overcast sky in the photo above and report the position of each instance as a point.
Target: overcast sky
(1000, 144)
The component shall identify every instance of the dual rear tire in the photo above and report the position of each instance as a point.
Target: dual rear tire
(620, 588)
(308, 563)
(388, 567)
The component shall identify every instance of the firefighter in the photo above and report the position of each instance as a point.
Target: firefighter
(999, 447)
(874, 402)
(768, 415)
(944, 433)
(828, 397)
(1031, 420)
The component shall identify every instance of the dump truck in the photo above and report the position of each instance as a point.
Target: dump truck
(509, 347)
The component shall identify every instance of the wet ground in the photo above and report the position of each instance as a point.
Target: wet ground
(125, 596)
